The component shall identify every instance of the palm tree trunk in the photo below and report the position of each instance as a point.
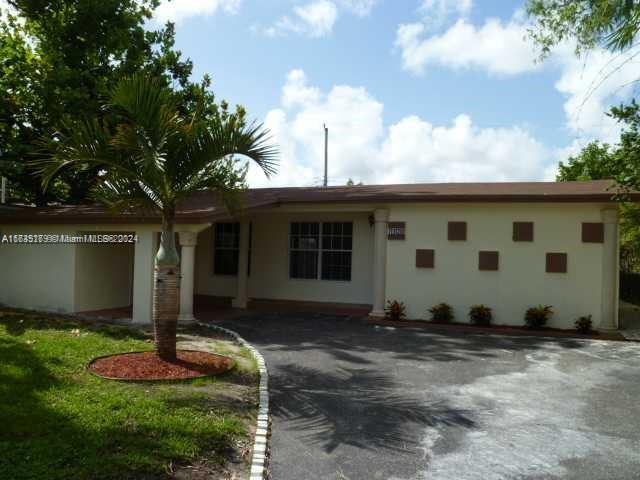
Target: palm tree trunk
(166, 292)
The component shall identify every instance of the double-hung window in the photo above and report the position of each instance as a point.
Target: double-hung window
(321, 250)
(304, 245)
(226, 248)
(337, 242)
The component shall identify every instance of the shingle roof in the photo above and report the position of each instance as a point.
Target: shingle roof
(205, 206)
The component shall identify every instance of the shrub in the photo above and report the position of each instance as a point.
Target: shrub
(538, 316)
(584, 324)
(480, 314)
(441, 313)
(395, 310)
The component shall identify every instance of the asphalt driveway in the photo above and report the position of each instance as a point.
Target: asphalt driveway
(352, 401)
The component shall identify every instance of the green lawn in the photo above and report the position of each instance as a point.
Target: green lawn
(59, 422)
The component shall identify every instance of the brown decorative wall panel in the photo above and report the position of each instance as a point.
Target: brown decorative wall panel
(396, 230)
(523, 231)
(556, 263)
(488, 261)
(593, 232)
(425, 258)
(457, 231)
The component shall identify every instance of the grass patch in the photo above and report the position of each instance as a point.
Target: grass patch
(60, 422)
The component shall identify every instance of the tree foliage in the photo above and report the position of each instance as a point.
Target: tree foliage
(59, 60)
(620, 162)
(611, 24)
(150, 155)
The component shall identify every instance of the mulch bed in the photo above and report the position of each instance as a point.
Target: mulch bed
(149, 366)
(499, 329)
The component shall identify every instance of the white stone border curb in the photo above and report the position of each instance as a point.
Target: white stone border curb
(259, 457)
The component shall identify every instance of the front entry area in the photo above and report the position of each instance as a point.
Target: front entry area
(288, 259)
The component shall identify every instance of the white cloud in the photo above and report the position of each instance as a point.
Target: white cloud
(589, 85)
(411, 150)
(497, 47)
(436, 12)
(361, 8)
(178, 10)
(314, 19)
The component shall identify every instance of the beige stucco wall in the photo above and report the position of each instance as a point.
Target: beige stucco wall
(36, 276)
(78, 277)
(103, 276)
(521, 280)
(51, 277)
(72, 277)
(270, 262)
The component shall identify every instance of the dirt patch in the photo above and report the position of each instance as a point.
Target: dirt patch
(149, 366)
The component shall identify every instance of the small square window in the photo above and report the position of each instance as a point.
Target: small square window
(593, 232)
(488, 261)
(523, 231)
(396, 230)
(556, 263)
(425, 258)
(457, 231)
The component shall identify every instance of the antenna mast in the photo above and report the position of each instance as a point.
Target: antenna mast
(326, 155)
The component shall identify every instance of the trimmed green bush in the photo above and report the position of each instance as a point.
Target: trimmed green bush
(395, 310)
(538, 316)
(584, 324)
(441, 313)
(480, 314)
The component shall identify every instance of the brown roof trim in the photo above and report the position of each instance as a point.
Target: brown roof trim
(205, 207)
(590, 198)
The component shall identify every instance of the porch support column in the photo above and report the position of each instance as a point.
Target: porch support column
(188, 241)
(381, 216)
(240, 301)
(610, 268)
(143, 270)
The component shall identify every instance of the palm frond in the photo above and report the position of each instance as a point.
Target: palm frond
(151, 156)
(78, 144)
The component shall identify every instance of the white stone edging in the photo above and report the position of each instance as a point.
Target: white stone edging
(259, 456)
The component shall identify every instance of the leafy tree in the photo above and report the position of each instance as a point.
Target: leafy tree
(614, 26)
(611, 24)
(151, 156)
(596, 161)
(61, 59)
(621, 163)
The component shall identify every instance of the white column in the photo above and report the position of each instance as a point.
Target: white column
(610, 268)
(188, 241)
(143, 265)
(240, 301)
(381, 216)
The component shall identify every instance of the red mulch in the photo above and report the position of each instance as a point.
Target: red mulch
(148, 366)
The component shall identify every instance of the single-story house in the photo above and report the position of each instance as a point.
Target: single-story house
(506, 245)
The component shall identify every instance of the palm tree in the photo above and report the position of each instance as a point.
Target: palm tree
(150, 157)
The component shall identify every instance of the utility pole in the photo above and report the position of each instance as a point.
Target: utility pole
(326, 155)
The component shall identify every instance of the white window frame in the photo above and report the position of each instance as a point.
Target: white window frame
(320, 250)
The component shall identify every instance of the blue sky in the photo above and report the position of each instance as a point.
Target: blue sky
(412, 90)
